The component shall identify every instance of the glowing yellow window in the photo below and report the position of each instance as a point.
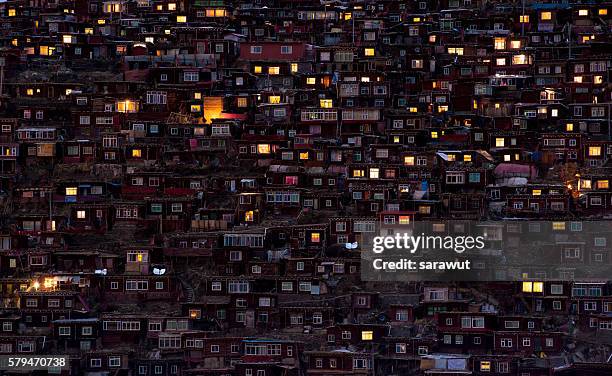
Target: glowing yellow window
(30, 91)
(515, 44)
(136, 153)
(442, 108)
(242, 102)
(367, 335)
(294, 67)
(527, 286)
(500, 43)
(409, 160)
(326, 103)
(304, 155)
(451, 157)
(274, 99)
(545, 16)
(67, 39)
(585, 38)
(578, 79)
(603, 12)
(248, 216)
(257, 69)
(416, 19)
(413, 109)
(598, 80)
(499, 142)
(467, 158)
(507, 158)
(524, 19)
(404, 220)
(81, 214)
(569, 127)
(311, 80)
(434, 134)
(181, 19)
(197, 95)
(500, 61)
(583, 12)
(195, 108)
(101, 22)
(12, 12)
(273, 70)
(475, 104)
(44, 50)
(263, 148)
(171, 6)
(432, 39)
(315, 237)
(536, 192)
(585, 184)
(558, 226)
(195, 313)
(396, 139)
(538, 286)
(15, 42)
(348, 16)
(71, 191)
(219, 12)
(139, 257)
(603, 184)
(358, 173)
(369, 52)
(485, 366)
(594, 151)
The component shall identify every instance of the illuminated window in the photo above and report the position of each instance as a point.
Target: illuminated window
(404, 220)
(257, 69)
(311, 80)
(434, 134)
(374, 173)
(538, 286)
(519, 59)
(369, 52)
(195, 108)
(524, 19)
(326, 103)
(585, 184)
(127, 106)
(67, 39)
(569, 127)
(181, 19)
(595, 151)
(598, 79)
(497, 105)
(136, 153)
(583, 12)
(603, 184)
(455, 50)
(413, 109)
(248, 216)
(304, 155)
(159, 7)
(274, 99)
(558, 226)
(578, 79)
(467, 158)
(273, 70)
(197, 95)
(30, 91)
(451, 157)
(242, 102)
(367, 335)
(442, 108)
(585, 38)
(12, 12)
(71, 191)
(527, 286)
(507, 158)
(396, 139)
(500, 61)
(499, 142)
(603, 12)
(315, 237)
(294, 67)
(358, 173)
(554, 112)
(171, 6)
(44, 50)
(409, 160)
(515, 44)
(536, 192)
(432, 39)
(485, 366)
(263, 148)
(348, 16)
(500, 43)
(81, 214)
(545, 16)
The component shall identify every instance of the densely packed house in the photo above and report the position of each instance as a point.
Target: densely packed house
(185, 185)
